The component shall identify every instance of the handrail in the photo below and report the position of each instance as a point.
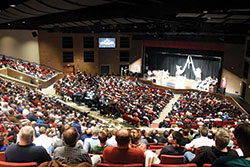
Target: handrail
(45, 80)
(17, 80)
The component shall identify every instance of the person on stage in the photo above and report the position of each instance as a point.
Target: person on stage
(223, 85)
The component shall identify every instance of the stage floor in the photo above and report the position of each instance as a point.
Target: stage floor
(175, 82)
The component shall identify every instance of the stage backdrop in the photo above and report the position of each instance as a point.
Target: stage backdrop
(167, 59)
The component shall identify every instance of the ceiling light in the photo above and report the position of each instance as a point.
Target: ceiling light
(9, 24)
(13, 6)
(23, 22)
(204, 11)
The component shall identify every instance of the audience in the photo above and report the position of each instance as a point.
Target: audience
(3, 139)
(25, 150)
(26, 67)
(210, 154)
(242, 134)
(112, 141)
(136, 103)
(98, 149)
(123, 154)
(203, 140)
(119, 97)
(43, 140)
(174, 148)
(69, 154)
(93, 141)
(136, 140)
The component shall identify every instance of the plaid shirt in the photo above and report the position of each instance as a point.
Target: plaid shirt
(71, 155)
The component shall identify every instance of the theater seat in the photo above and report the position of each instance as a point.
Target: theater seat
(2, 156)
(207, 165)
(155, 147)
(118, 165)
(14, 164)
(172, 159)
(174, 165)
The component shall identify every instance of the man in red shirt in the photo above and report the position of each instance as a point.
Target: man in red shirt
(122, 154)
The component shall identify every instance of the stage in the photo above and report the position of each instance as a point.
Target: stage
(180, 82)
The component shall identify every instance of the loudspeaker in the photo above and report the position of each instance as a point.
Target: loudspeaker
(34, 34)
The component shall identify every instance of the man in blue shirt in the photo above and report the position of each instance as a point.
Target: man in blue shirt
(25, 150)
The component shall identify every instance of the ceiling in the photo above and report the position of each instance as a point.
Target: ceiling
(126, 16)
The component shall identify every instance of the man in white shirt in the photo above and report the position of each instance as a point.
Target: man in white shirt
(93, 141)
(26, 111)
(111, 141)
(43, 139)
(202, 141)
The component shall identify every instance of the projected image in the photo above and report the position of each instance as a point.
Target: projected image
(107, 43)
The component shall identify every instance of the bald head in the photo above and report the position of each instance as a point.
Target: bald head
(122, 137)
(26, 135)
(70, 136)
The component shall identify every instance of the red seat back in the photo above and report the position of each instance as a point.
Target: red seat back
(207, 165)
(173, 165)
(172, 159)
(118, 165)
(2, 156)
(155, 147)
(14, 164)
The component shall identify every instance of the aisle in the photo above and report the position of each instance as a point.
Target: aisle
(83, 108)
(96, 114)
(165, 111)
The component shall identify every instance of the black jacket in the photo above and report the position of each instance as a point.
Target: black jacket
(210, 154)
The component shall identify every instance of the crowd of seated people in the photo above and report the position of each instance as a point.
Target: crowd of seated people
(19, 105)
(132, 146)
(62, 132)
(44, 118)
(134, 102)
(195, 109)
(26, 67)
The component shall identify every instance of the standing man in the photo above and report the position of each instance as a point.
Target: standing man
(223, 85)
(25, 150)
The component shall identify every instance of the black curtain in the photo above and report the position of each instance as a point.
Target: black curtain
(167, 60)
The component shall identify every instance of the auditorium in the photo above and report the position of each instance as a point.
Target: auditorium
(99, 83)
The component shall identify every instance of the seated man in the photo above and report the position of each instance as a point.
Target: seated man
(24, 150)
(98, 149)
(242, 134)
(210, 154)
(89, 143)
(202, 141)
(174, 148)
(69, 154)
(43, 140)
(122, 154)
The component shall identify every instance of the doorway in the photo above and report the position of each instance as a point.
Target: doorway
(104, 69)
(243, 90)
(69, 70)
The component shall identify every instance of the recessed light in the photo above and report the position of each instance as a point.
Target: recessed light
(9, 24)
(23, 22)
(13, 6)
